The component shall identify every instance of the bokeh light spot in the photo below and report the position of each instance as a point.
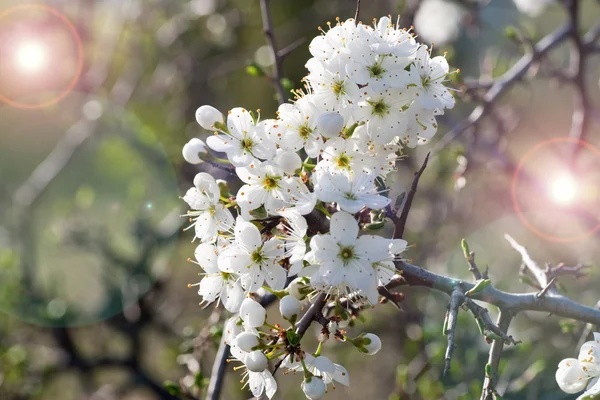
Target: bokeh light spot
(563, 190)
(31, 56)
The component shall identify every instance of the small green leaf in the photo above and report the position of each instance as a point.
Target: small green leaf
(488, 370)
(293, 338)
(465, 248)
(255, 70)
(172, 387)
(479, 287)
(287, 84)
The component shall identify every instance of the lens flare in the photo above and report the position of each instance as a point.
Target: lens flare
(31, 56)
(563, 190)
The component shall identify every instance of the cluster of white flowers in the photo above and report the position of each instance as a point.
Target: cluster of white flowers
(370, 91)
(582, 373)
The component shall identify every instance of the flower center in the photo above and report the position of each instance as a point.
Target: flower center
(346, 254)
(379, 108)
(305, 131)
(271, 182)
(349, 196)
(257, 257)
(338, 88)
(375, 71)
(247, 144)
(225, 275)
(343, 161)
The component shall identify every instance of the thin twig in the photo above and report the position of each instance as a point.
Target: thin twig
(357, 13)
(270, 35)
(401, 222)
(502, 84)
(489, 385)
(218, 372)
(473, 266)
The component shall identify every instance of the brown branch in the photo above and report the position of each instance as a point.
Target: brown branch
(308, 318)
(270, 35)
(503, 83)
(357, 13)
(401, 222)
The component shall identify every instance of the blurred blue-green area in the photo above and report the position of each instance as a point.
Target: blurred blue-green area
(94, 301)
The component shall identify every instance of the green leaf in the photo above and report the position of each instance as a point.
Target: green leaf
(255, 70)
(172, 387)
(293, 338)
(479, 287)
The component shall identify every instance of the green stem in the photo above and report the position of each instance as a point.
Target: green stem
(318, 352)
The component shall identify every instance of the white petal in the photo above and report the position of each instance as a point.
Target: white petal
(344, 228)
(232, 296)
(247, 235)
(341, 375)
(275, 276)
(270, 384)
(206, 255)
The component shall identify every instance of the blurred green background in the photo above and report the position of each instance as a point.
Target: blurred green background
(94, 301)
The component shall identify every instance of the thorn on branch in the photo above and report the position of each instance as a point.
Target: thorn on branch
(357, 13)
(401, 222)
(543, 292)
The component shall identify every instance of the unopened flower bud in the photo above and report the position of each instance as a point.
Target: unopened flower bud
(256, 361)
(289, 307)
(288, 161)
(295, 288)
(330, 124)
(246, 341)
(370, 343)
(208, 117)
(252, 313)
(192, 150)
(313, 388)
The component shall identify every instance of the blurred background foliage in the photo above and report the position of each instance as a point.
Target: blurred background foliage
(93, 275)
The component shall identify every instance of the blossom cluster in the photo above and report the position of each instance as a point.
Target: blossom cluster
(582, 373)
(370, 91)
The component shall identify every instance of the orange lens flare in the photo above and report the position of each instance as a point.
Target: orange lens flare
(563, 190)
(32, 56)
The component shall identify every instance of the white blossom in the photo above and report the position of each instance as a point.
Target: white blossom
(255, 261)
(217, 284)
(343, 258)
(428, 75)
(209, 216)
(246, 139)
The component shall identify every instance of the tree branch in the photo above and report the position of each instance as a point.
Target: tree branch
(217, 375)
(502, 84)
(400, 224)
(491, 378)
(270, 35)
(557, 304)
(456, 300)
(357, 13)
